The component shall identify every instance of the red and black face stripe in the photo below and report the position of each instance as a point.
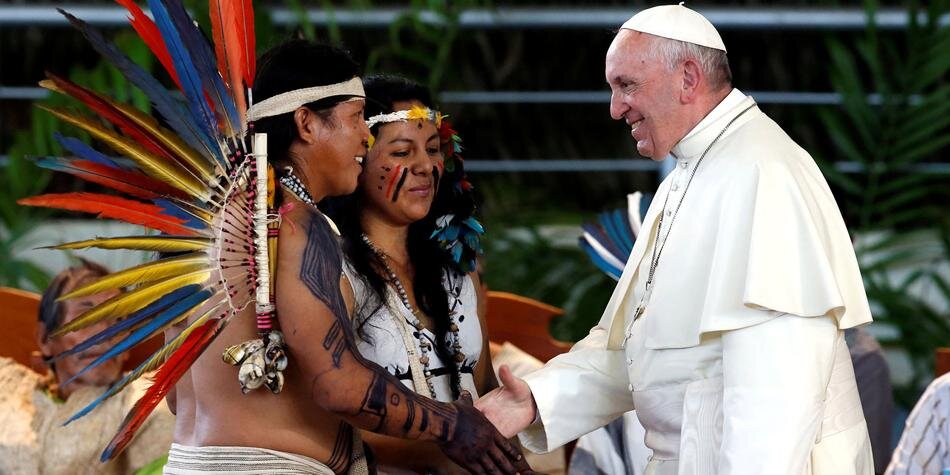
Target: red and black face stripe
(397, 177)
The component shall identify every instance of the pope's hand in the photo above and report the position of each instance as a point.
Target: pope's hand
(511, 407)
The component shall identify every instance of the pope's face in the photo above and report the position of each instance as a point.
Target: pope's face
(402, 169)
(643, 93)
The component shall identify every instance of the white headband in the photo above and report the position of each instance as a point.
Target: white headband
(415, 113)
(291, 100)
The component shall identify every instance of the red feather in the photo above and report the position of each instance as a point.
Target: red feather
(171, 371)
(152, 37)
(246, 28)
(234, 46)
(133, 183)
(217, 35)
(111, 113)
(107, 206)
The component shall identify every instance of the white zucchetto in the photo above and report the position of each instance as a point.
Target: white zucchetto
(676, 22)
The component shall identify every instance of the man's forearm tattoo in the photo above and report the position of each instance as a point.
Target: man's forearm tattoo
(374, 401)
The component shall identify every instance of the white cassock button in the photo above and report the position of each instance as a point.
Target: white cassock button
(630, 361)
(683, 164)
(669, 212)
(676, 186)
(630, 387)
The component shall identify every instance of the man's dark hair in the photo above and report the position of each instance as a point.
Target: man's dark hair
(50, 313)
(298, 64)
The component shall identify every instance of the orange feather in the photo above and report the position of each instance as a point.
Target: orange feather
(149, 33)
(107, 206)
(171, 371)
(234, 46)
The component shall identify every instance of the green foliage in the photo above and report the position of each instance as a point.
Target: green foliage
(892, 198)
(524, 261)
(21, 178)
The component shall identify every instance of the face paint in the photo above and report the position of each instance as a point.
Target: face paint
(402, 179)
(391, 182)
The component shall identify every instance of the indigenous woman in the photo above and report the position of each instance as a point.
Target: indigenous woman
(410, 244)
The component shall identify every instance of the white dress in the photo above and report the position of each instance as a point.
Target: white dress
(380, 340)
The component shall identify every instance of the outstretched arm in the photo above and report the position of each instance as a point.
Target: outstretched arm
(319, 335)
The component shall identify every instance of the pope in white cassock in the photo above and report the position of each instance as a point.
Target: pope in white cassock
(725, 332)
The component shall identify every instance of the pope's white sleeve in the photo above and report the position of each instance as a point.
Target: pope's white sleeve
(775, 377)
(577, 392)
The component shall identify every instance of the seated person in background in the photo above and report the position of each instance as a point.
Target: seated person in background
(33, 408)
(416, 310)
(925, 445)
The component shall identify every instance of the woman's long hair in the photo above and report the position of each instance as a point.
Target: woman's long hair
(428, 260)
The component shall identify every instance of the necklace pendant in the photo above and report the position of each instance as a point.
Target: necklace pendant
(638, 312)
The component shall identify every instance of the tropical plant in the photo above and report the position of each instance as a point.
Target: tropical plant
(21, 178)
(894, 118)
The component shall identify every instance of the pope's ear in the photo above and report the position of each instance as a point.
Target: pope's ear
(693, 77)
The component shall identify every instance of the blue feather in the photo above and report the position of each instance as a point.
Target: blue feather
(130, 321)
(185, 68)
(114, 388)
(598, 233)
(171, 209)
(451, 232)
(167, 106)
(145, 331)
(84, 151)
(204, 60)
(472, 241)
(57, 164)
(473, 224)
(622, 224)
(599, 261)
(611, 229)
(194, 299)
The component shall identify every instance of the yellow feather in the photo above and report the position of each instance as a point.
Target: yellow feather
(148, 272)
(159, 356)
(131, 301)
(153, 166)
(170, 140)
(177, 146)
(141, 243)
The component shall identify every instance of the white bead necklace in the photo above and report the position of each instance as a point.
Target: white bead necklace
(416, 322)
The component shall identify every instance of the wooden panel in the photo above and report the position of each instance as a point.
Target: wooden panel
(20, 310)
(18, 340)
(525, 323)
(943, 362)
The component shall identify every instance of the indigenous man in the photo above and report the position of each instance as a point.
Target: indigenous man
(727, 323)
(310, 101)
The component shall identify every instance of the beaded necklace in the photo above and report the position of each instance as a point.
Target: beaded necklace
(424, 346)
(294, 186)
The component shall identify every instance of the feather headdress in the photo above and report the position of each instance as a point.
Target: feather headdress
(194, 179)
(608, 241)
